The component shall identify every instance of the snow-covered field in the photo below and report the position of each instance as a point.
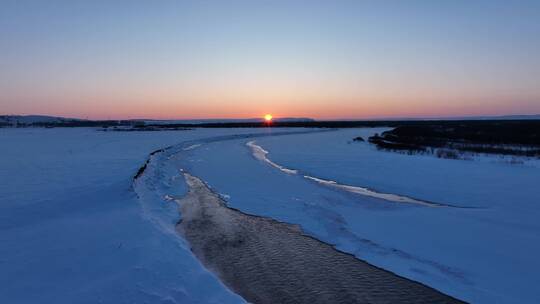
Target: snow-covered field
(484, 254)
(74, 228)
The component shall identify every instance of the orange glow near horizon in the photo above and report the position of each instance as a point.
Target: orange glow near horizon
(187, 60)
(315, 110)
(159, 104)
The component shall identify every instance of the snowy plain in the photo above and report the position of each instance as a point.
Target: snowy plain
(76, 229)
(73, 231)
(489, 248)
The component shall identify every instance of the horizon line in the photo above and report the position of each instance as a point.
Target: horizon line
(465, 116)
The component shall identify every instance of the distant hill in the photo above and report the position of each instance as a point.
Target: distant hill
(44, 120)
(55, 121)
(516, 117)
(32, 119)
(232, 120)
(500, 117)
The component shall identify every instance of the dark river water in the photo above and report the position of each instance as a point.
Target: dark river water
(266, 261)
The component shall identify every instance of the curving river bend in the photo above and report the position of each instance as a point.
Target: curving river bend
(266, 261)
(263, 260)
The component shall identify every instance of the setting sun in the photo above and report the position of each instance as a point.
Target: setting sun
(268, 117)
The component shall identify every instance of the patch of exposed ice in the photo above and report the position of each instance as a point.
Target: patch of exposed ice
(191, 147)
(260, 154)
(365, 191)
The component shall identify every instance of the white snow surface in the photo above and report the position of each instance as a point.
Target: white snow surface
(483, 250)
(74, 228)
(490, 250)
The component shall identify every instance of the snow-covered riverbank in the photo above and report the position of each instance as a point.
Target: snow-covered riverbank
(266, 261)
(72, 230)
(499, 235)
(75, 228)
(460, 251)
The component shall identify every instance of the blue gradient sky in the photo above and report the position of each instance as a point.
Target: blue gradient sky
(323, 59)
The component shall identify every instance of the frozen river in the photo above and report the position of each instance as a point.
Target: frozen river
(75, 227)
(266, 261)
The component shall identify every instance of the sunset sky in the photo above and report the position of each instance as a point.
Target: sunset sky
(239, 59)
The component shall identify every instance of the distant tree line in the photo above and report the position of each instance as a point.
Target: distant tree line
(520, 138)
